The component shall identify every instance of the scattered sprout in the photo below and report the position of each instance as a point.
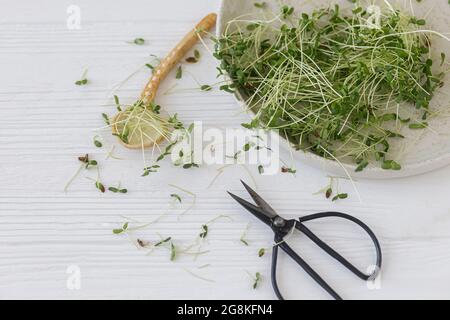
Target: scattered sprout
(163, 241)
(117, 102)
(197, 54)
(81, 82)
(179, 73)
(100, 186)
(150, 169)
(117, 190)
(121, 230)
(391, 165)
(340, 196)
(286, 11)
(257, 280)
(243, 235)
(418, 126)
(173, 252)
(139, 41)
(260, 169)
(206, 87)
(142, 243)
(191, 60)
(190, 165)
(328, 193)
(176, 197)
(204, 231)
(97, 142)
(261, 252)
(260, 5)
(288, 170)
(106, 119)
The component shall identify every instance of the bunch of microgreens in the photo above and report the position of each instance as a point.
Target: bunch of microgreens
(329, 83)
(142, 122)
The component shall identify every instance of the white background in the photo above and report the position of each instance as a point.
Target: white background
(47, 122)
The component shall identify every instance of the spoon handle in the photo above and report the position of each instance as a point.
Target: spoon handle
(166, 65)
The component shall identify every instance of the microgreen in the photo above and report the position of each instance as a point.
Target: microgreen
(190, 165)
(197, 54)
(328, 193)
(286, 11)
(141, 123)
(288, 170)
(179, 73)
(121, 230)
(123, 135)
(117, 190)
(117, 102)
(100, 186)
(261, 252)
(206, 87)
(257, 280)
(142, 243)
(419, 22)
(333, 85)
(204, 231)
(84, 159)
(236, 155)
(418, 126)
(139, 41)
(340, 196)
(260, 169)
(106, 119)
(176, 197)
(243, 235)
(260, 5)
(173, 252)
(150, 169)
(191, 60)
(97, 142)
(362, 165)
(167, 151)
(163, 241)
(89, 163)
(226, 87)
(83, 81)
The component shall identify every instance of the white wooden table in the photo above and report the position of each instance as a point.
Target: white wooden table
(47, 122)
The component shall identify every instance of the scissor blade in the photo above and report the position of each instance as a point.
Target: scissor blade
(267, 209)
(256, 211)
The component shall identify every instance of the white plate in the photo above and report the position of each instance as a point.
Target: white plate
(423, 150)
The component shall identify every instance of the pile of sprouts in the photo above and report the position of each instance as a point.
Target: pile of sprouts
(330, 83)
(139, 123)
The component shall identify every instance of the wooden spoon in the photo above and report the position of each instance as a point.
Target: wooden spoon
(153, 135)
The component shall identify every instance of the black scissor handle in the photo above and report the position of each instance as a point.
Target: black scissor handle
(286, 248)
(302, 228)
(316, 277)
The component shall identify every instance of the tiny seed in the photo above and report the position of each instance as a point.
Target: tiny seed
(191, 60)
(328, 193)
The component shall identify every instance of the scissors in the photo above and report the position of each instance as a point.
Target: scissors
(283, 227)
